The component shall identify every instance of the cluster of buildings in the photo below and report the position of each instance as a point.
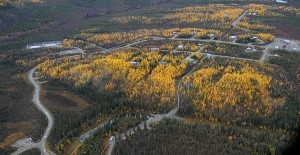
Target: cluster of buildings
(44, 45)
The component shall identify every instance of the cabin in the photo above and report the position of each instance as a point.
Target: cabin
(208, 56)
(180, 47)
(154, 49)
(232, 37)
(164, 63)
(249, 49)
(135, 63)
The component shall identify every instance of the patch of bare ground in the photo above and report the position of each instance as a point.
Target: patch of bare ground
(286, 29)
(64, 100)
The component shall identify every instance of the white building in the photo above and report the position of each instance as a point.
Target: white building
(287, 41)
(233, 37)
(249, 49)
(281, 1)
(134, 63)
(44, 44)
(180, 47)
(52, 44)
(33, 46)
(154, 49)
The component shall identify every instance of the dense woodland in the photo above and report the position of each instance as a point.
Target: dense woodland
(113, 83)
(97, 144)
(173, 137)
(243, 94)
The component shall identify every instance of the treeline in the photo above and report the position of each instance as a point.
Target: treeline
(173, 137)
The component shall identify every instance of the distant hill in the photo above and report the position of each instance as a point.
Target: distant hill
(17, 2)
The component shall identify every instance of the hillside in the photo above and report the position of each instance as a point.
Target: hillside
(17, 3)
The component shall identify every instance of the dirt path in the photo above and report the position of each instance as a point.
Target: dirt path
(236, 22)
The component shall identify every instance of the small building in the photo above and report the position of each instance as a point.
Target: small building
(254, 37)
(249, 49)
(200, 45)
(287, 41)
(175, 32)
(208, 56)
(163, 63)
(33, 46)
(154, 49)
(253, 13)
(232, 37)
(52, 44)
(191, 60)
(195, 32)
(180, 47)
(135, 63)
(226, 15)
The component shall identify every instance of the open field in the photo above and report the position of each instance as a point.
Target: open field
(64, 100)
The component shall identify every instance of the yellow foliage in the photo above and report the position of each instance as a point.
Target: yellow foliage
(266, 37)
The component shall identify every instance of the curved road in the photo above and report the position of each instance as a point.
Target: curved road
(28, 144)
